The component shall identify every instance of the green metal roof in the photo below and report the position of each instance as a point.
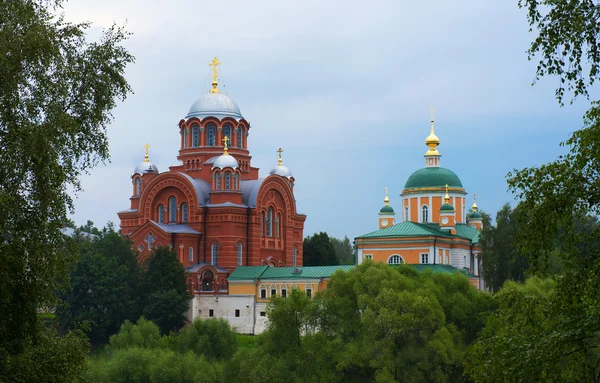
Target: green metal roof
(413, 229)
(466, 231)
(475, 215)
(305, 272)
(247, 272)
(433, 177)
(386, 209)
(266, 272)
(407, 229)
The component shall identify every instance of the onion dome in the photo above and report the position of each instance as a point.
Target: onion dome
(146, 166)
(386, 208)
(281, 169)
(214, 104)
(433, 177)
(225, 160)
(447, 207)
(432, 140)
(475, 214)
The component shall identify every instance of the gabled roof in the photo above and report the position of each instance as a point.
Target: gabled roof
(198, 266)
(180, 228)
(414, 229)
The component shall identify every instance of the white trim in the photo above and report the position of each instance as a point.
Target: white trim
(394, 248)
(421, 259)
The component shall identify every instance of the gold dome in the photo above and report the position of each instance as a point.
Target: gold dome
(432, 140)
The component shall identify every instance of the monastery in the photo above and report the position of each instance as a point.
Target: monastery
(240, 237)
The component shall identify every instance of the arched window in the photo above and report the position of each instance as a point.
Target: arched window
(235, 182)
(138, 186)
(308, 289)
(191, 254)
(184, 212)
(262, 224)
(294, 256)
(406, 214)
(161, 214)
(270, 222)
(239, 251)
(273, 289)
(227, 133)
(195, 136)
(207, 281)
(239, 136)
(263, 291)
(172, 209)
(395, 260)
(277, 222)
(227, 180)
(211, 134)
(425, 214)
(215, 254)
(185, 137)
(283, 291)
(218, 181)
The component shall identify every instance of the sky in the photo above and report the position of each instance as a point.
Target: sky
(344, 87)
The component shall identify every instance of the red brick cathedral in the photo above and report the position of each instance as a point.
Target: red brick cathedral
(211, 207)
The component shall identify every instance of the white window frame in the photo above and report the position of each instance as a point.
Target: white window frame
(426, 258)
(422, 217)
(271, 288)
(262, 288)
(395, 255)
(367, 256)
(308, 287)
(191, 254)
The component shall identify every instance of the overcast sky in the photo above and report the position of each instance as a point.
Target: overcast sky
(344, 87)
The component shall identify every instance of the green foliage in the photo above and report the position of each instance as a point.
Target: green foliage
(56, 96)
(105, 286)
(167, 295)
(133, 365)
(318, 250)
(375, 323)
(212, 338)
(499, 256)
(344, 250)
(246, 341)
(143, 334)
(528, 339)
(567, 42)
(51, 358)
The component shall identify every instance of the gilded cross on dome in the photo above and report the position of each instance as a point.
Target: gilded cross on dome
(447, 197)
(214, 64)
(146, 156)
(279, 161)
(225, 141)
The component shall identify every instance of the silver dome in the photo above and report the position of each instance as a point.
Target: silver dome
(225, 161)
(215, 105)
(145, 167)
(281, 170)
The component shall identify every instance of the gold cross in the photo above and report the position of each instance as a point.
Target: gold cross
(279, 151)
(279, 161)
(146, 156)
(214, 64)
(225, 141)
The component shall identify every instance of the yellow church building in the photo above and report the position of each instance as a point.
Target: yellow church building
(435, 232)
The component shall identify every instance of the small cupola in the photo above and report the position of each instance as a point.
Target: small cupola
(475, 219)
(432, 156)
(226, 178)
(447, 214)
(386, 213)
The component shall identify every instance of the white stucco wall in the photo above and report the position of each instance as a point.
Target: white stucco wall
(224, 306)
(457, 258)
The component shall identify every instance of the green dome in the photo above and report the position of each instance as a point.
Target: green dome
(433, 178)
(386, 209)
(447, 207)
(475, 215)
